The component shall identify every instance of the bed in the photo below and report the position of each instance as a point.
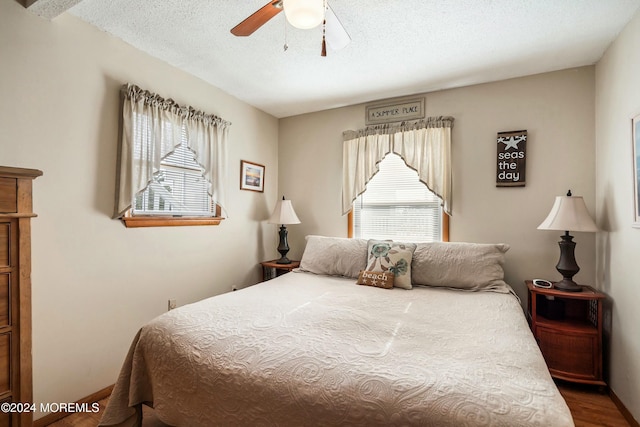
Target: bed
(318, 349)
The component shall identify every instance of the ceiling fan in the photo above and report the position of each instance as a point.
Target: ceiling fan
(303, 14)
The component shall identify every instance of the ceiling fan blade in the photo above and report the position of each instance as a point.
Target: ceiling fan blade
(258, 19)
(337, 36)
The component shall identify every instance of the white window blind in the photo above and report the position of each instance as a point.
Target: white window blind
(397, 206)
(178, 189)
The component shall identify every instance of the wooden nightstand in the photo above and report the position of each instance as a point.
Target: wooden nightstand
(271, 269)
(568, 328)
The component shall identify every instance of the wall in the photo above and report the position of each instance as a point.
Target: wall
(94, 281)
(556, 108)
(618, 245)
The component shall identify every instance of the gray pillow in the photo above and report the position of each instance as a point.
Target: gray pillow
(334, 256)
(469, 266)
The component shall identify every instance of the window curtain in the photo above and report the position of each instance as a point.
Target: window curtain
(425, 146)
(152, 128)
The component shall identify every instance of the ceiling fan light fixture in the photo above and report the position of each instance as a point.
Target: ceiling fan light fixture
(304, 14)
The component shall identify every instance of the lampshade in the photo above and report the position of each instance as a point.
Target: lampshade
(569, 213)
(304, 14)
(284, 213)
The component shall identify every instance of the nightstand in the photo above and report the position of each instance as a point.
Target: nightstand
(271, 269)
(568, 328)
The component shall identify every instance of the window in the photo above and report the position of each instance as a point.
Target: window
(179, 189)
(397, 206)
(178, 192)
(172, 166)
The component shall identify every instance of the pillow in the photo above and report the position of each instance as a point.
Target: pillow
(469, 266)
(334, 256)
(377, 279)
(385, 255)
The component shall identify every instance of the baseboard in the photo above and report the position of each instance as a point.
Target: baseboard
(623, 410)
(57, 416)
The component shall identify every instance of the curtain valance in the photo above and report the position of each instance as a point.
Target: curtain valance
(152, 100)
(152, 128)
(424, 145)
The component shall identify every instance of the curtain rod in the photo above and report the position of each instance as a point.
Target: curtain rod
(391, 128)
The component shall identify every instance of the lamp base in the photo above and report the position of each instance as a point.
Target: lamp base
(283, 247)
(567, 265)
(567, 285)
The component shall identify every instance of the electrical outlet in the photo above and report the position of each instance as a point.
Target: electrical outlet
(172, 304)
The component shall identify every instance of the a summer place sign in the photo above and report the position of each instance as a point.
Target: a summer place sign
(395, 110)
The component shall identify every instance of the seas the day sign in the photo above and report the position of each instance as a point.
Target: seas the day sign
(511, 159)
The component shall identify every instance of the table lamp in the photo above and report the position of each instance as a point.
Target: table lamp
(569, 213)
(283, 214)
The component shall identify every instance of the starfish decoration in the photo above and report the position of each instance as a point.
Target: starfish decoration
(512, 142)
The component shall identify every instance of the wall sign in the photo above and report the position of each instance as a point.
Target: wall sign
(511, 159)
(395, 110)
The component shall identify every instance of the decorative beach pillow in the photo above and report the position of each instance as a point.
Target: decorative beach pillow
(469, 266)
(334, 256)
(379, 279)
(392, 257)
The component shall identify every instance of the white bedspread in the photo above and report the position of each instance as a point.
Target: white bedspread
(307, 350)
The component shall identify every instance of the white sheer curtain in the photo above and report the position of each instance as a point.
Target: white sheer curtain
(152, 128)
(424, 146)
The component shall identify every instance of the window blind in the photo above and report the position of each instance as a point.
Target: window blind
(178, 189)
(397, 206)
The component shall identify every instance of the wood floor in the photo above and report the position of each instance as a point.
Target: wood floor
(91, 419)
(589, 408)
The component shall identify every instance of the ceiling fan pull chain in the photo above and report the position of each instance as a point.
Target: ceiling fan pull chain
(324, 43)
(286, 45)
(324, 29)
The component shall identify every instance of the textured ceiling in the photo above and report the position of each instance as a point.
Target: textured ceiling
(398, 47)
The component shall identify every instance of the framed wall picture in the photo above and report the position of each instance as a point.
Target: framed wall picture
(251, 176)
(636, 170)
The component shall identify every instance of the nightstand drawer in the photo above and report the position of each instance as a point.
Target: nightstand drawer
(568, 353)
